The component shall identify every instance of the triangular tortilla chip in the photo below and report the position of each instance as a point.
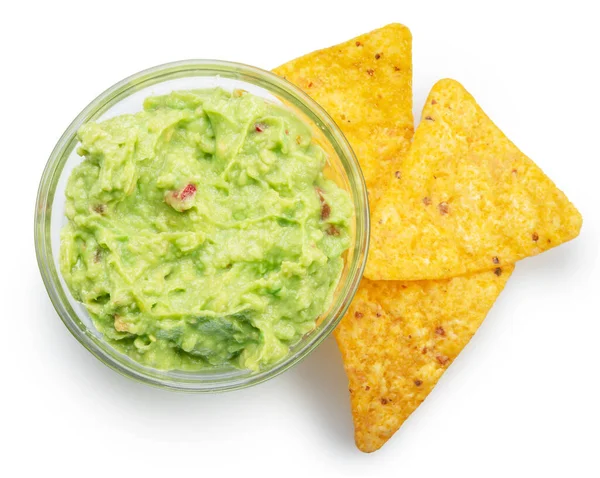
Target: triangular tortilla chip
(468, 199)
(365, 85)
(398, 338)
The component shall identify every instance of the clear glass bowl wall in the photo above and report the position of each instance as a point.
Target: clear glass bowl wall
(127, 97)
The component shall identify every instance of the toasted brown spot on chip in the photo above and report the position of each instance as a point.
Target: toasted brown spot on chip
(442, 359)
(398, 175)
(370, 71)
(377, 56)
(433, 102)
(358, 43)
(495, 260)
(367, 388)
(429, 118)
(418, 382)
(384, 401)
(358, 315)
(440, 331)
(427, 201)
(498, 271)
(535, 236)
(444, 208)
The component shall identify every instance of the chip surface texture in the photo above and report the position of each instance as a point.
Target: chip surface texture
(468, 199)
(365, 84)
(398, 338)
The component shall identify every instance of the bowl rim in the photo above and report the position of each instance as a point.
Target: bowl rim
(110, 97)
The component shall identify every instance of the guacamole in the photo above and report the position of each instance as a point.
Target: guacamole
(202, 231)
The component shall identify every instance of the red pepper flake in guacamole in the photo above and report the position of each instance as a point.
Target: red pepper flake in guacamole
(325, 208)
(333, 231)
(98, 255)
(187, 192)
(100, 208)
(181, 200)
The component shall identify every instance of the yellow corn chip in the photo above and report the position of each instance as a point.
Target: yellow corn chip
(468, 199)
(365, 85)
(398, 338)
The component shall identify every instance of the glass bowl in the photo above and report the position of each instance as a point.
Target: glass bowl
(127, 97)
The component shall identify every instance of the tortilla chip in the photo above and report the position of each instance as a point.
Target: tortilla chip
(365, 85)
(398, 338)
(468, 199)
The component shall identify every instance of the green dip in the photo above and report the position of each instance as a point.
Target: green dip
(202, 231)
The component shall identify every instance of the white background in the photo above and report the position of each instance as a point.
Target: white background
(522, 399)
